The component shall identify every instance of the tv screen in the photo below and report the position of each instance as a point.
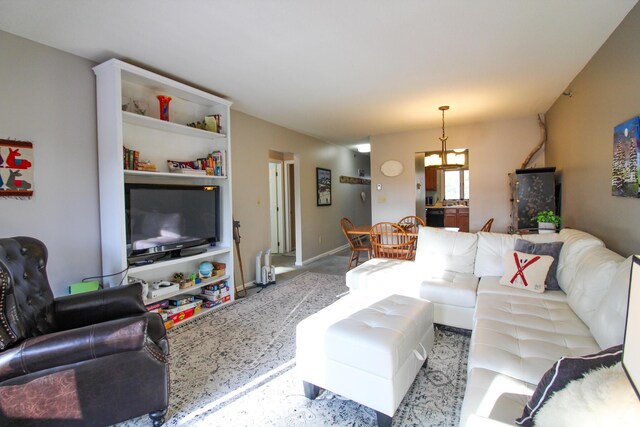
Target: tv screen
(166, 218)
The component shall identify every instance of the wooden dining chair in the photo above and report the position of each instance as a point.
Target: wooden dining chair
(389, 240)
(356, 243)
(487, 225)
(411, 223)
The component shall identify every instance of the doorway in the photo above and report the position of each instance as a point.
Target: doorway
(284, 204)
(276, 206)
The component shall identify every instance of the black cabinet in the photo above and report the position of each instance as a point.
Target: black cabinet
(534, 191)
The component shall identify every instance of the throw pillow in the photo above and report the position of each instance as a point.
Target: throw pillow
(525, 271)
(562, 373)
(551, 249)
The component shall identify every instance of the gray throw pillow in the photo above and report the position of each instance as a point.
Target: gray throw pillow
(551, 249)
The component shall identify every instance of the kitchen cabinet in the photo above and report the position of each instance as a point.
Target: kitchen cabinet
(431, 179)
(457, 217)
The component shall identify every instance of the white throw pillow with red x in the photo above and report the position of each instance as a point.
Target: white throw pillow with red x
(526, 271)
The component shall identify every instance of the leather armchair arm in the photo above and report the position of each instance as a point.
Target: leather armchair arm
(74, 311)
(73, 346)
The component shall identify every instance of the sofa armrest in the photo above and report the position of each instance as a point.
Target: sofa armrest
(73, 346)
(74, 311)
(478, 421)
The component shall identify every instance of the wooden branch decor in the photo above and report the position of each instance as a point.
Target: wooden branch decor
(543, 140)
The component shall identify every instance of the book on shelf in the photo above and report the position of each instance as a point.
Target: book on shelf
(130, 158)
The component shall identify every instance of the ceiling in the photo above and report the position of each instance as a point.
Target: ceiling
(341, 70)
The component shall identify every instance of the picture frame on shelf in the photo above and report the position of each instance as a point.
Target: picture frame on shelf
(323, 187)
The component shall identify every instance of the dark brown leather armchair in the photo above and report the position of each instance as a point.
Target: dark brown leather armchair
(89, 359)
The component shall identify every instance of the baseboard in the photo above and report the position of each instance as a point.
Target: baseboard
(326, 254)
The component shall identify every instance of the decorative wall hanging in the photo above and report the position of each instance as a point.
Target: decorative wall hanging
(323, 186)
(625, 178)
(354, 180)
(16, 169)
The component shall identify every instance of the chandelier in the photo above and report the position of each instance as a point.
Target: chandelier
(453, 159)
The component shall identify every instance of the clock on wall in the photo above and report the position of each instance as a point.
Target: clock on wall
(391, 168)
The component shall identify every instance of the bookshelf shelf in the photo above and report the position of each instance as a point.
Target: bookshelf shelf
(172, 175)
(153, 123)
(188, 290)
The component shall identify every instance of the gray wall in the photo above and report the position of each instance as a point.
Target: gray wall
(252, 139)
(605, 93)
(48, 97)
(496, 149)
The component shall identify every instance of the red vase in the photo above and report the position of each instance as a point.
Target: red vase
(164, 107)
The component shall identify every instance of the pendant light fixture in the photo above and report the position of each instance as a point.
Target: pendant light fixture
(446, 159)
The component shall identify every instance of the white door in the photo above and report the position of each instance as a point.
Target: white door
(276, 207)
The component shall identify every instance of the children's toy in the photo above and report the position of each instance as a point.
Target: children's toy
(205, 270)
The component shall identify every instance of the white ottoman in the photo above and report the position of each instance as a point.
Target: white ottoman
(367, 351)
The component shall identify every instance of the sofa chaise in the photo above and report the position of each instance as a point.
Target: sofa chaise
(517, 334)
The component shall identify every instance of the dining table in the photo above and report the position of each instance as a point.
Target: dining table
(364, 230)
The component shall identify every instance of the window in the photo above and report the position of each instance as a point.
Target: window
(456, 184)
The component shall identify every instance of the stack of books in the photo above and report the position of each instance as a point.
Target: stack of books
(131, 158)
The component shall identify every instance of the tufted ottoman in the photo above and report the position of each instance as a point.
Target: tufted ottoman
(365, 350)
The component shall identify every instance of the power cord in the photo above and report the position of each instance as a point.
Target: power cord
(109, 275)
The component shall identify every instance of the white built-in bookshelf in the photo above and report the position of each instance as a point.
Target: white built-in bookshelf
(157, 141)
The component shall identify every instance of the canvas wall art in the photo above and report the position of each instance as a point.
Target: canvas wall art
(16, 168)
(625, 170)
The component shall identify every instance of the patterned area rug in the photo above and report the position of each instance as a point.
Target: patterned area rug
(236, 367)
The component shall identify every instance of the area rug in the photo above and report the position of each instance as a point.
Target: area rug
(236, 367)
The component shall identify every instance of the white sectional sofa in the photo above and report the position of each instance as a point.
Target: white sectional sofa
(517, 334)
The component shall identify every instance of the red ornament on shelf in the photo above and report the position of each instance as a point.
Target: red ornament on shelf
(164, 107)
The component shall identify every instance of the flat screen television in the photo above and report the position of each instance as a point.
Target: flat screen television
(169, 218)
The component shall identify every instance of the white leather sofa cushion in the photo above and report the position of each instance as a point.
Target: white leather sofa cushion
(608, 322)
(594, 272)
(438, 250)
(493, 246)
(491, 285)
(521, 352)
(575, 243)
(534, 313)
(451, 288)
(489, 394)
(385, 276)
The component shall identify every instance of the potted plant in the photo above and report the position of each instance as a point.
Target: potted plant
(548, 221)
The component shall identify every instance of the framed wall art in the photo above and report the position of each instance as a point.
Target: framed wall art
(323, 186)
(626, 167)
(16, 169)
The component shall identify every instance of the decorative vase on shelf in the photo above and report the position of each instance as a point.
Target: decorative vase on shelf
(164, 107)
(546, 227)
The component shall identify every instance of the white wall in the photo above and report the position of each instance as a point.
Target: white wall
(48, 97)
(495, 150)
